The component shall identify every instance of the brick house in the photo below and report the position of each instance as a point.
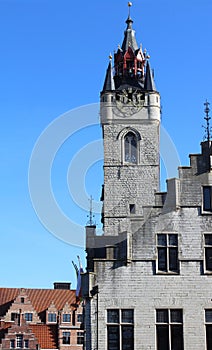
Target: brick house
(41, 318)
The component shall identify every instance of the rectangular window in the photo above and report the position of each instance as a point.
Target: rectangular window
(22, 300)
(207, 198)
(167, 247)
(28, 316)
(66, 338)
(14, 316)
(26, 343)
(79, 318)
(12, 344)
(208, 252)
(132, 208)
(208, 326)
(80, 338)
(66, 318)
(169, 329)
(19, 341)
(120, 329)
(52, 317)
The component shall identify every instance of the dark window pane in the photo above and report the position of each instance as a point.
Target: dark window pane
(127, 316)
(15, 316)
(113, 337)
(162, 240)
(162, 337)
(12, 343)
(173, 259)
(176, 316)
(162, 316)
(127, 338)
(162, 259)
(66, 337)
(127, 149)
(208, 259)
(132, 208)
(80, 338)
(208, 239)
(173, 240)
(177, 337)
(209, 337)
(113, 316)
(207, 198)
(208, 315)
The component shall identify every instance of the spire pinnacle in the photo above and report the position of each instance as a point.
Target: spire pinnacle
(91, 216)
(129, 6)
(207, 118)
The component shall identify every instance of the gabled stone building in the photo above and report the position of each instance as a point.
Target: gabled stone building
(41, 318)
(149, 276)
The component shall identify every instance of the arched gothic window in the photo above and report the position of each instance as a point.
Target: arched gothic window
(130, 148)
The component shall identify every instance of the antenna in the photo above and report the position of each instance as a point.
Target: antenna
(207, 118)
(91, 222)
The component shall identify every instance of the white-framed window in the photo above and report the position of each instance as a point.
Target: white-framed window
(167, 252)
(208, 252)
(207, 199)
(130, 148)
(208, 328)
(66, 338)
(80, 338)
(28, 316)
(19, 341)
(120, 329)
(169, 329)
(66, 317)
(52, 317)
(26, 343)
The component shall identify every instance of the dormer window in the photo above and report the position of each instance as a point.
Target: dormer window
(130, 148)
(52, 317)
(66, 318)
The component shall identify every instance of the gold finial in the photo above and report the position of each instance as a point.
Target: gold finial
(129, 4)
(110, 57)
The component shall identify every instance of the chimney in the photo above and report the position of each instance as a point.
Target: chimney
(62, 285)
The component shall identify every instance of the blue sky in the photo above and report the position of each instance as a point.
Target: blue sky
(53, 59)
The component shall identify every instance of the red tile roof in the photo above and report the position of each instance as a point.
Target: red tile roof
(46, 335)
(40, 298)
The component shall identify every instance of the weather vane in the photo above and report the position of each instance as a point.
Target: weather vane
(91, 216)
(207, 118)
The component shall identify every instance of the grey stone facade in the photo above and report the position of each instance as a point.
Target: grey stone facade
(155, 256)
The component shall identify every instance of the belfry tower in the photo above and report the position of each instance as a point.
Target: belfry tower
(130, 119)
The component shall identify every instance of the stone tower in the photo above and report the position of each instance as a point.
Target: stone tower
(130, 120)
